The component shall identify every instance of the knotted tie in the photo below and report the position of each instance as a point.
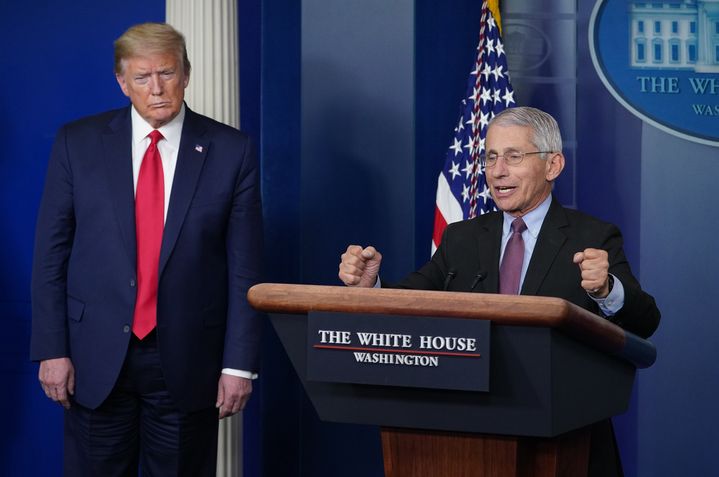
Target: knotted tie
(149, 222)
(511, 269)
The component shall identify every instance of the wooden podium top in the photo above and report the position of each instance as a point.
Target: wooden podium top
(513, 310)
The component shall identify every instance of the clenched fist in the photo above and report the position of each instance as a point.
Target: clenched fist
(594, 265)
(360, 266)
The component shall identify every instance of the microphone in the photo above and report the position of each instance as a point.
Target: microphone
(481, 275)
(450, 276)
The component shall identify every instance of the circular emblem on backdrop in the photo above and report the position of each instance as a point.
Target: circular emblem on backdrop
(660, 60)
(527, 47)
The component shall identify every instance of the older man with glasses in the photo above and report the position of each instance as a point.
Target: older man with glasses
(532, 246)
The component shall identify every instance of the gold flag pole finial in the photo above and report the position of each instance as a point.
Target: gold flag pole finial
(493, 6)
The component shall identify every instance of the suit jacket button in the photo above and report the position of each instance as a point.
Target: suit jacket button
(132, 282)
(126, 328)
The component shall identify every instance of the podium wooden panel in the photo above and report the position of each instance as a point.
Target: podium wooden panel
(555, 369)
(412, 453)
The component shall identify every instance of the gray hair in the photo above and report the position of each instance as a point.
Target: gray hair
(545, 130)
(147, 38)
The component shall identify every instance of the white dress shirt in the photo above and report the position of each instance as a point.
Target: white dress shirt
(168, 147)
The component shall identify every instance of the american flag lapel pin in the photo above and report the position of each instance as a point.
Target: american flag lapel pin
(198, 148)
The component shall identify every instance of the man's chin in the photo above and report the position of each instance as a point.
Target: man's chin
(501, 205)
(159, 120)
(508, 209)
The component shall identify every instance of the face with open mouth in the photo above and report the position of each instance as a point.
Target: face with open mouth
(519, 188)
(155, 84)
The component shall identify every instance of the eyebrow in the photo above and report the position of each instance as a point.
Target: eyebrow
(506, 149)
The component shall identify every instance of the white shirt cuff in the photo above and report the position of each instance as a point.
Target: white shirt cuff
(239, 373)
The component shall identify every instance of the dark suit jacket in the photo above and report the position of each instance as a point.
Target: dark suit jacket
(473, 246)
(84, 272)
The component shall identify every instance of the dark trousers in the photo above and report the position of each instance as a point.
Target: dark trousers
(138, 427)
(604, 458)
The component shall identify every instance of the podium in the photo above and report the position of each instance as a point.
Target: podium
(555, 370)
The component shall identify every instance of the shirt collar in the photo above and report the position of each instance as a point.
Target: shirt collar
(172, 131)
(533, 219)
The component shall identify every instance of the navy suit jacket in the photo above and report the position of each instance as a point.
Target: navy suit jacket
(473, 246)
(84, 271)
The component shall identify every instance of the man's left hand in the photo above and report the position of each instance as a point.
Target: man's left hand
(232, 394)
(594, 265)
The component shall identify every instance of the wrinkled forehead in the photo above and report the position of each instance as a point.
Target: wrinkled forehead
(507, 137)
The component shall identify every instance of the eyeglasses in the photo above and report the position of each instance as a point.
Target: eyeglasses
(511, 158)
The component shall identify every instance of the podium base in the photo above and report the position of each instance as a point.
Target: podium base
(415, 453)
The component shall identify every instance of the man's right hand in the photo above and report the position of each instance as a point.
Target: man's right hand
(57, 377)
(360, 266)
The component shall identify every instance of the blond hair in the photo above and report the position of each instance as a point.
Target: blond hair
(148, 38)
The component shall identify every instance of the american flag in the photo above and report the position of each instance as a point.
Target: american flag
(462, 191)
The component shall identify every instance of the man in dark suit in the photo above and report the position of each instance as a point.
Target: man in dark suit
(534, 246)
(148, 238)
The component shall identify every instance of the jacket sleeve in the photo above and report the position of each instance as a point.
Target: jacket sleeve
(244, 258)
(639, 314)
(53, 245)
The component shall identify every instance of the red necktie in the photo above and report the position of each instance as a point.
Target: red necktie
(149, 222)
(510, 271)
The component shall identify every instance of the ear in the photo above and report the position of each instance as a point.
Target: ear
(555, 166)
(123, 85)
(185, 80)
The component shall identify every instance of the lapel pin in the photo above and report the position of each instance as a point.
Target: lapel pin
(198, 148)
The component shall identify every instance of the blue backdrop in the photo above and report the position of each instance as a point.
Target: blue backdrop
(354, 105)
(57, 65)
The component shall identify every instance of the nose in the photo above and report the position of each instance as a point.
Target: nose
(500, 168)
(156, 86)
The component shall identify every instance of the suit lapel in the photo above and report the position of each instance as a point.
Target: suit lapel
(117, 145)
(489, 243)
(190, 159)
(549, 242)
